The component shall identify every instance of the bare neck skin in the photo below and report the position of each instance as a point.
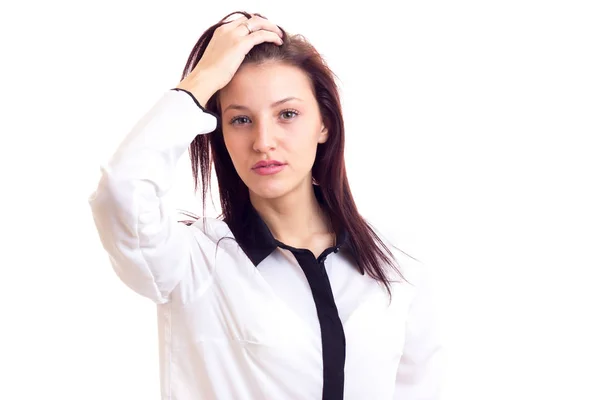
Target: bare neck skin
(297, 219)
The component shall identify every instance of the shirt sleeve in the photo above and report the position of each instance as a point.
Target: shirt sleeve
(148, 249)
(420, 372)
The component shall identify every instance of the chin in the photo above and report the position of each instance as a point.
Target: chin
(273, 187)
(269, 190)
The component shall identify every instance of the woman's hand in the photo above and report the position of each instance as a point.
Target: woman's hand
(225, 52)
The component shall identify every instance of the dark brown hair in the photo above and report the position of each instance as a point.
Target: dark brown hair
(329, 169)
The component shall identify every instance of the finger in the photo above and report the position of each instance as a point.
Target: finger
(260, 37)
(257, 23)
(234, 23)
(245, 26)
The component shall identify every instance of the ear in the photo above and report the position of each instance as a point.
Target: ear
(324, 135)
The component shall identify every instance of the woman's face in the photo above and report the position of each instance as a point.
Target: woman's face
(269, 113)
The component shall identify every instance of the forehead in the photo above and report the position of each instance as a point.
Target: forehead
(256, 84)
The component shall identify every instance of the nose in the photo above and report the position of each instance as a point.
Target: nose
(264, 137)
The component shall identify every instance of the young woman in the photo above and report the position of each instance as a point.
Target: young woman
(290, 294)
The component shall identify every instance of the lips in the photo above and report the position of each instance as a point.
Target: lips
(267, 164)
(268, 167)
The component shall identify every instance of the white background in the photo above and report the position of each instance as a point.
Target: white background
(472, 138)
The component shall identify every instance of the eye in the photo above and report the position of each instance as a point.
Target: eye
(289, 112)
(243, 120)
(235, 120)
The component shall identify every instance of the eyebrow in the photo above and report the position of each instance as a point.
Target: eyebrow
(278, 102)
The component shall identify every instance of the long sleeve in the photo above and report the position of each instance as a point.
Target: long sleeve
(420, 371)
(149, 250)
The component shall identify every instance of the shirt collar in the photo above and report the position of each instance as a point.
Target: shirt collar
(257, 241)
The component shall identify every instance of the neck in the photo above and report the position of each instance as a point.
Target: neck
(295, 217)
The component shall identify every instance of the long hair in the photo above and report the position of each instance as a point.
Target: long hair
(329, 170)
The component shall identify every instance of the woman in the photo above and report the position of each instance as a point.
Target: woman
(291, 294)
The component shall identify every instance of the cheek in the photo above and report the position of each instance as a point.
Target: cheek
(302, 147)
(304, 137)
(235, 147)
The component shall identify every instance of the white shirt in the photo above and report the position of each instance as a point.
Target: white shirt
(237, 319)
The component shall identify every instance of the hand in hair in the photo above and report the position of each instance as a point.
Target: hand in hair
(230, 43)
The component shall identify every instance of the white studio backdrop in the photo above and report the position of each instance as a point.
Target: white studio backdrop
(472, 140)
